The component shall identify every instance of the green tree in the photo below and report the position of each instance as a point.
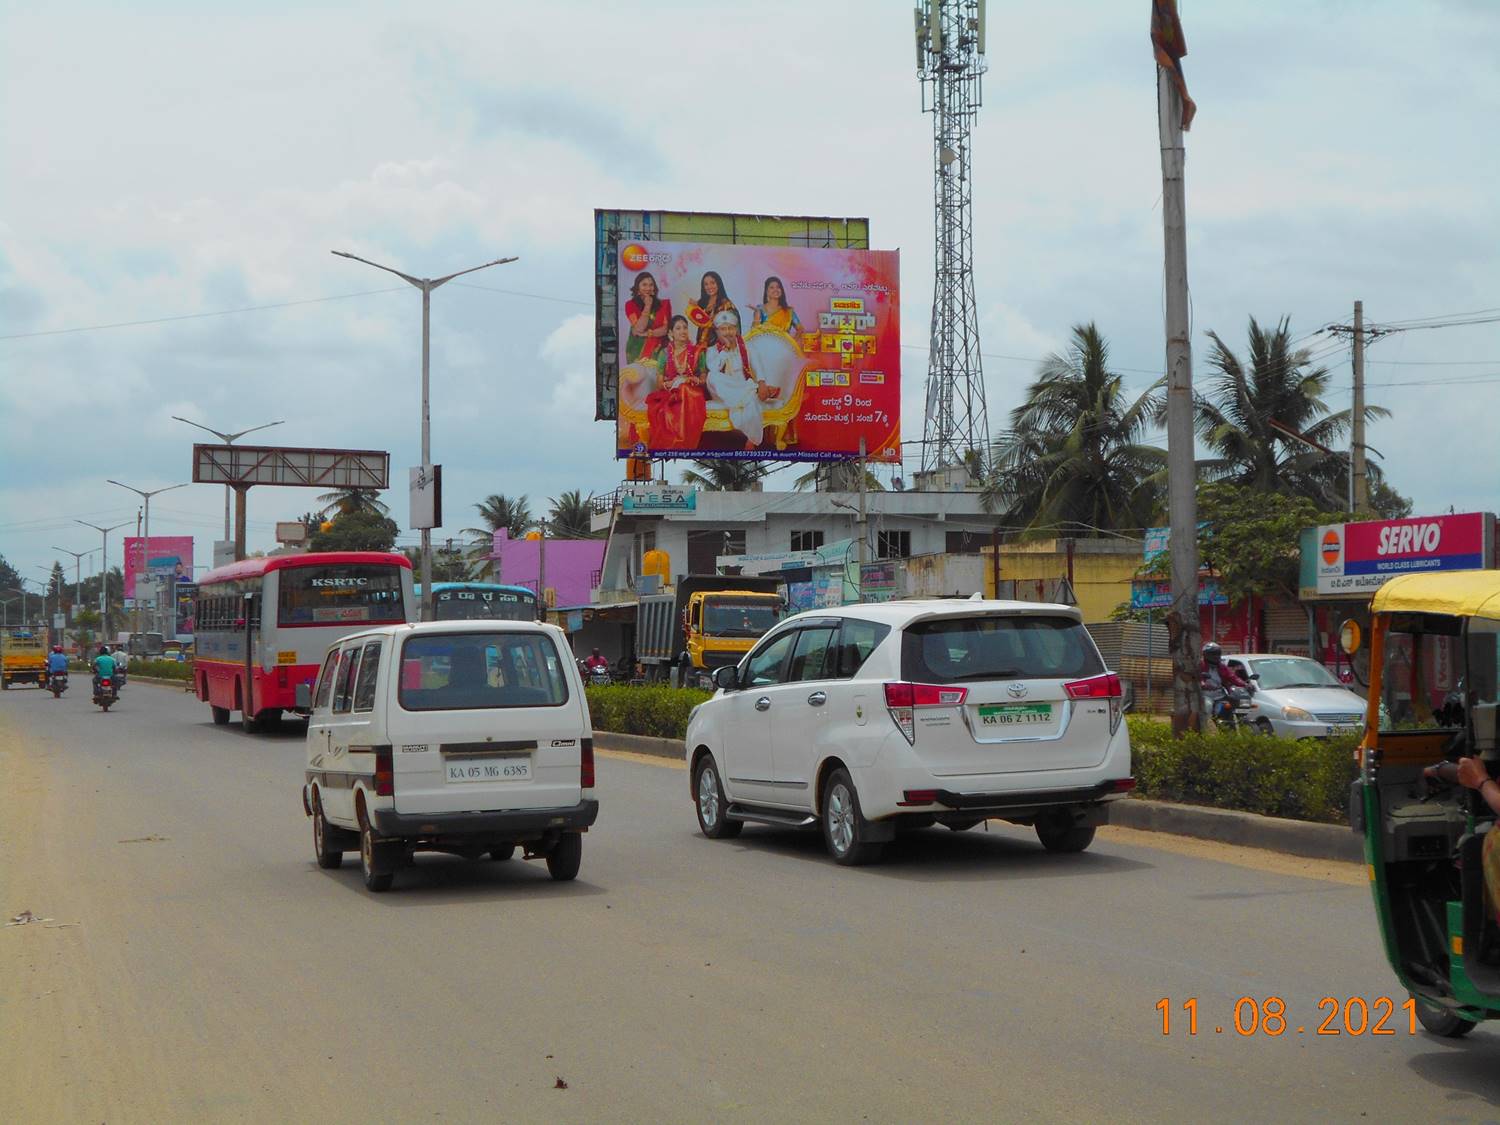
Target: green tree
(10, 577)
(498, 510)
(571, 516)
(58, 589)
(835, 476)
(1249, 407)
(449, 564)
(356, 531)
(1075, 457)
(721, 475)
(352, 501)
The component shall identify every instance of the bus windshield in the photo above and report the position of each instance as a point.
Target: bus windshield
(332, 595)
(483, 603)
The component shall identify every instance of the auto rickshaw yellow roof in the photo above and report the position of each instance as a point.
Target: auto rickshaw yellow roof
(1459, 593)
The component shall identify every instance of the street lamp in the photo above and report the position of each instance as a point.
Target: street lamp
(46, 619)
(6, 603)
(227, 439)
(145, 546)
(103, 571)
(77, 571)
(426, 285)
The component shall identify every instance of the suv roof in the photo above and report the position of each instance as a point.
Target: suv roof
(904, 612)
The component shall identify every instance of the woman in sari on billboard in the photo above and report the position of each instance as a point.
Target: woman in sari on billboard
(649, 317)
(712, 300)
(734, 382)
(774, 310)
(676, 408)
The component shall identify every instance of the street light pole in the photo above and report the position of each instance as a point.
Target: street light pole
(145, 548)
(426, 285)
(77, 571)
(227, 439)
(103, 570)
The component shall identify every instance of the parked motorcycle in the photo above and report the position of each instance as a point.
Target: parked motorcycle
(106, 692)
(57, 683)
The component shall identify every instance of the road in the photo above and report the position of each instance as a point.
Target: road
(199, 966)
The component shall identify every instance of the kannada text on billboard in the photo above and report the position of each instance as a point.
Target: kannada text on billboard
(759, 352)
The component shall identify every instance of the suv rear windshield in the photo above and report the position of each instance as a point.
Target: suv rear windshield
(1001, 647)
(464, 671)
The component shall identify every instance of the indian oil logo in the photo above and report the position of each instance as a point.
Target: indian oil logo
(1331, 547)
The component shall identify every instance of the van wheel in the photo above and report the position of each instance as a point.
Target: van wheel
(1440, 1021)
(844, 824)
(374, 860)
(712, 807)
(566, 855)
(501, 854)
(328, 857)
(1060, 834)
(220, 714)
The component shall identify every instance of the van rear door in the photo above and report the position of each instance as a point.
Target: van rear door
(486, 720)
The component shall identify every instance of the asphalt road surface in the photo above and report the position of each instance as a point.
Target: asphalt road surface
(197, 965)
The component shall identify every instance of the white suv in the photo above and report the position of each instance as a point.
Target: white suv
(869, 716)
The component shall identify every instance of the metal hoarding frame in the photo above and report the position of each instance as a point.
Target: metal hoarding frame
(291, 466)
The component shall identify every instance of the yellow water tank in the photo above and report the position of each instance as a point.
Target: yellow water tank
(658, 563)
(533, 535)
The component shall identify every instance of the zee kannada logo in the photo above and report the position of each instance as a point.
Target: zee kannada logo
(637, 257)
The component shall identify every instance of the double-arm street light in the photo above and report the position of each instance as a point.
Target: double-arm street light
(77, 570)
(103, 571)
(227, 439)
(426, 285)
(145, 547)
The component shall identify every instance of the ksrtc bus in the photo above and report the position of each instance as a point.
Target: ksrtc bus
(263, 625)
(481, 601)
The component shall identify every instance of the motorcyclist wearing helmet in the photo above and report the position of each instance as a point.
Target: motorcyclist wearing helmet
(104, 666)
(57, 661)
(1214, 674)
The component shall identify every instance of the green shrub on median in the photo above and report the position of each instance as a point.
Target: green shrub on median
(160, 669)
(657, 711)
(1307, 780)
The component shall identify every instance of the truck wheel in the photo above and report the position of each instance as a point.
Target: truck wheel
(711, 803)
(565, 856)
(1060, 834)
(374, 860)
(220, 714)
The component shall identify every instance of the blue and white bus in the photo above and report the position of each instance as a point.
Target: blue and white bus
(480, 601)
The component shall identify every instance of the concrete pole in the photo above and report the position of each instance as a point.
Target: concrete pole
(239, 520)
(1182, 502)
(864, 522)
(1359, 484)
(541, 574)
(427, 446)
(143, 573)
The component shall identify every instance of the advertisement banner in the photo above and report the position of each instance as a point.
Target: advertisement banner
(659, 498)
(1154, 593)
(1357, 558)
(169, 556)
(758, 352)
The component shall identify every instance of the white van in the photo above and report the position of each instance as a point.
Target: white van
(467, 737)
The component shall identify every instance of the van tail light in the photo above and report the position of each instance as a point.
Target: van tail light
(385, 777)
(1107, 687)
(586, 764)
(902, 699)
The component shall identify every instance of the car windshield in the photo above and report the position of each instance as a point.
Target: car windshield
(999, 647)
(1292, 672)
(724, 618)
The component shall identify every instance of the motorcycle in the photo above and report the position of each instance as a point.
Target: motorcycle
(57, 683)
(598, 677)
(1229, 707)
(106, 692)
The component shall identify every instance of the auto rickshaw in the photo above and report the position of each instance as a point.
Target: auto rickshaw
(1434, 657)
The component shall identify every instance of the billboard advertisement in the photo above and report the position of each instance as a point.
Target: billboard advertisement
(169, 555)
(616, 228)
(758, 352)
(1357, 558)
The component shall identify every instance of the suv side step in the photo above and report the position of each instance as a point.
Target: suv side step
(769, 816)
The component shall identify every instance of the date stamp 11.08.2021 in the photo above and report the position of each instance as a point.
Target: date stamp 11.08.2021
(1269, 1016)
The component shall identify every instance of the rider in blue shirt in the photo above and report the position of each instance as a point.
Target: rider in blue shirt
(57, 661)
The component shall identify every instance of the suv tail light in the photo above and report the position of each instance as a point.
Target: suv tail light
(385, 778)
(586, 764)
(1107, 687)
(902, 699)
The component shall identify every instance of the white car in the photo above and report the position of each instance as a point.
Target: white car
(1296, 697)
(455, 736)
(866, 717)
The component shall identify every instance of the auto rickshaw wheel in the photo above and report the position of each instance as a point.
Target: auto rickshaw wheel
(1442, 1022)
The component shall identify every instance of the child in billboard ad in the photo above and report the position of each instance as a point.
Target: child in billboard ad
(780, 353)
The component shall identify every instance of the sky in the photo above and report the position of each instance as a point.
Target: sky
(168, 162)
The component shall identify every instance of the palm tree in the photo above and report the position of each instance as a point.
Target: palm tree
(571, 516)
(1074, 457)
(833, 480)
(1245, 416)
(717, 475)
(348, 501)
(498, 510)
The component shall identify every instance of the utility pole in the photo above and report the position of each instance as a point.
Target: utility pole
(541, 573)
(145, 566)
(426, 285)
(77, 571)
(1183, 628)
(103, 571)
(1359, 483)
(864, 522)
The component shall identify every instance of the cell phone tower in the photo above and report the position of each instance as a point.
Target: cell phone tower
(950, 64)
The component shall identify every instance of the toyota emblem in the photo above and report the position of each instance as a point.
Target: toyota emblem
(1016, 691)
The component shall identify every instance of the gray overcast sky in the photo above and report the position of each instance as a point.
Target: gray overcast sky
(173, 158)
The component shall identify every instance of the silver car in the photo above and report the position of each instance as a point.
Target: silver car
(1298, 698)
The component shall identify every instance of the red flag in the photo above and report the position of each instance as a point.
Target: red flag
(1170, 46)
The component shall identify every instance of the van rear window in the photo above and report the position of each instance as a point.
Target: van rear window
(465, 671)
(998, 647)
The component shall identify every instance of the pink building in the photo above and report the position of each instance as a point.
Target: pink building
(572, 565)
